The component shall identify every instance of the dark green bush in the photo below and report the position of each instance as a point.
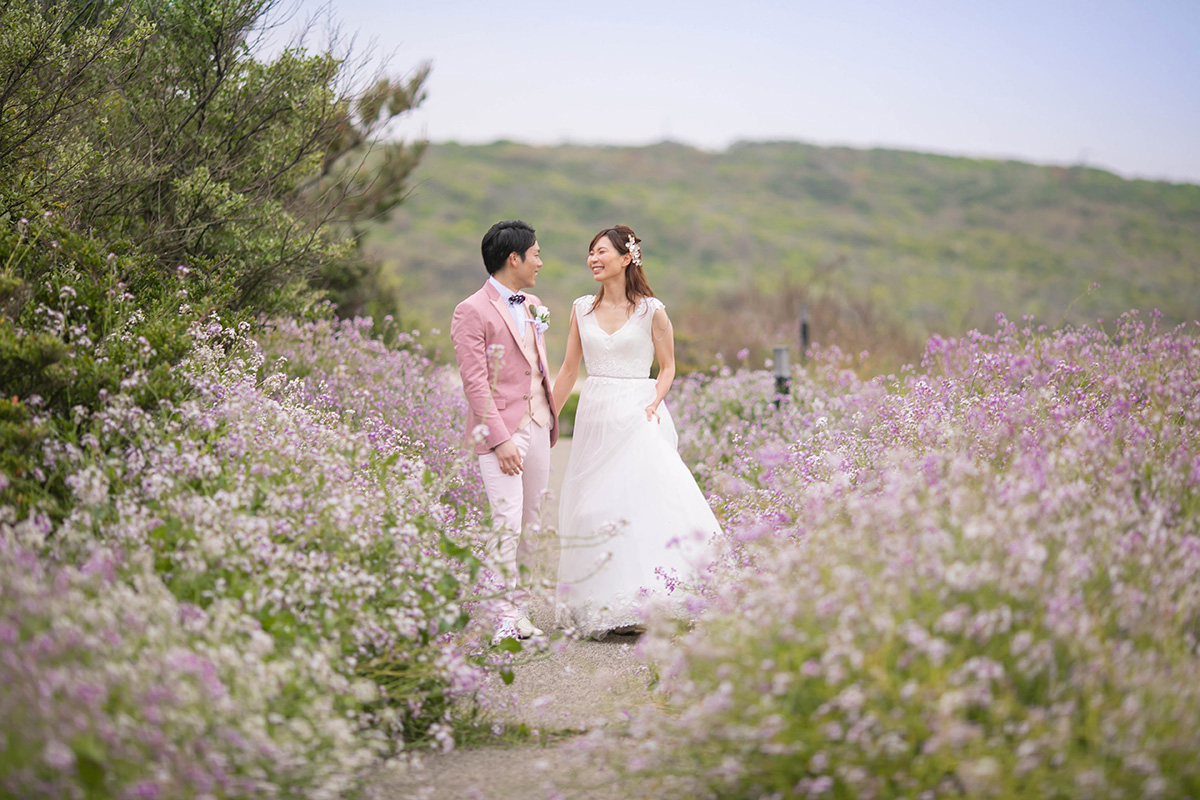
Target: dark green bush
(156, 124)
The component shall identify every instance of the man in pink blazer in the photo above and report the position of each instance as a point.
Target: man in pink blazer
(511, 419)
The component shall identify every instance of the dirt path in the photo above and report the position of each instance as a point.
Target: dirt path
(579, 687)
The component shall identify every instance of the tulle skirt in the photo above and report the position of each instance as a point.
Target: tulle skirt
(632, 521)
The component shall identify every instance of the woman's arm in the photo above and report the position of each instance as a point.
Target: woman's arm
(663, 336)
(568, 373)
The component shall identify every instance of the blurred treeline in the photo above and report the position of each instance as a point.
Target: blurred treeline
(880, 247)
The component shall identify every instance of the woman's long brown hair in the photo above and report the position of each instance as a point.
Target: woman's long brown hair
(636, 285)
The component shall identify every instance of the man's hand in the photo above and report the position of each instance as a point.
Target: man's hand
(509, 457)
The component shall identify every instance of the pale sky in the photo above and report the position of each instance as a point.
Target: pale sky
(1113, 84)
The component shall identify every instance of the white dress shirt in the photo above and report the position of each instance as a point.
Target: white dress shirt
(519, 314)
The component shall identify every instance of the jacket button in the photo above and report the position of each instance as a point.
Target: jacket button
(526, 397)
(526, 372)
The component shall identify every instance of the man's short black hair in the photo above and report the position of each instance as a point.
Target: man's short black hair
(513, 236)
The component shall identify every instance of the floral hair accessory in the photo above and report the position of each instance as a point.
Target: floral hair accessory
(635, 250)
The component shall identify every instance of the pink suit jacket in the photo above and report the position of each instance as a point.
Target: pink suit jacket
(497, 400)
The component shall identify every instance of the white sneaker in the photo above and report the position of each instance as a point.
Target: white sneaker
(629, 630)
(525, 629)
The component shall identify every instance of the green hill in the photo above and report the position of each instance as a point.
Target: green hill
(879, 245)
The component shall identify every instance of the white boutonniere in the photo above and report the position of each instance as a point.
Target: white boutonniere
(541, 319)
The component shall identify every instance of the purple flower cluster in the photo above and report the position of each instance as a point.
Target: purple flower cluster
(394, 393)
(981, 577)
(263, 586)
(113, 688)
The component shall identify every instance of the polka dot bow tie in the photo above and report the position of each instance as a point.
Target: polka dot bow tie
(516, 299)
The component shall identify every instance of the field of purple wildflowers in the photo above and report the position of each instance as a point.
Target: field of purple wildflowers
(259, 589)
(980, 577)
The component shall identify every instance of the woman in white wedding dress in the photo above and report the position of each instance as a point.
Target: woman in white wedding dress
(632, 521)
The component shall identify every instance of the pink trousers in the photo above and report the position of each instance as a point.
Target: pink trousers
(516, 502)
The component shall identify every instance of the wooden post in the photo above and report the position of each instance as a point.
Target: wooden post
(783, 374)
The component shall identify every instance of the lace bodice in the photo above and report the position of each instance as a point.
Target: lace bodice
(627, 353)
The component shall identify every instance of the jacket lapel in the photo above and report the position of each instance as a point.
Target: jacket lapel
(502, 309)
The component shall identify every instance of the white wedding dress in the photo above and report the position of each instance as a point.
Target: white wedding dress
(632, 520)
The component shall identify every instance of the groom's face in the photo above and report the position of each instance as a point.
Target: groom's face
(525, 271)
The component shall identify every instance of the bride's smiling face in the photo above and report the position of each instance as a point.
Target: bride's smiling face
(604, 261)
